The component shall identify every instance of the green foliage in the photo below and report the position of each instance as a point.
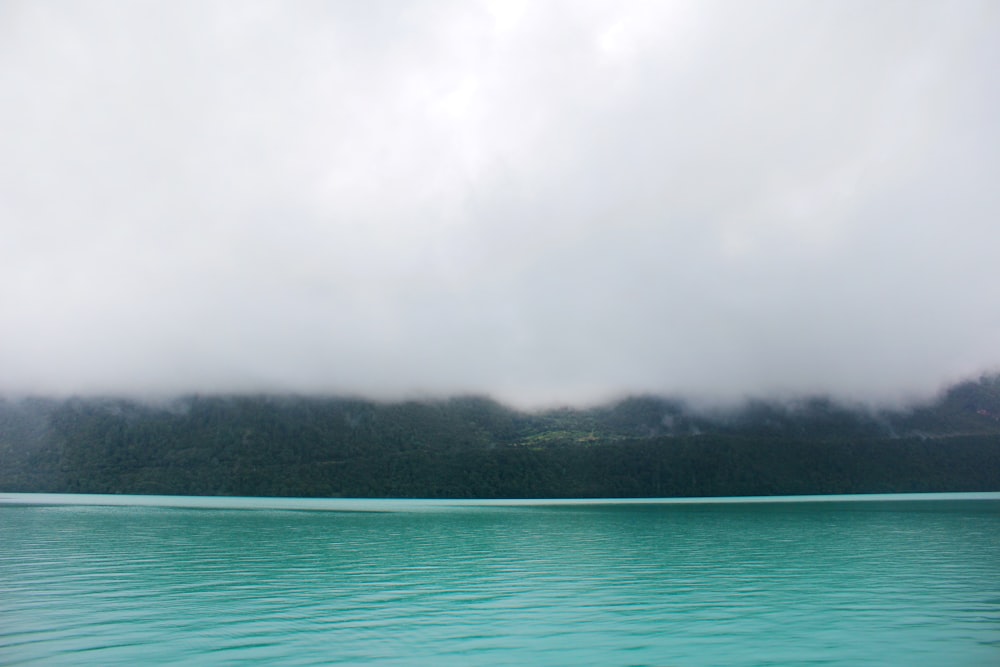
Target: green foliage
(475, 447)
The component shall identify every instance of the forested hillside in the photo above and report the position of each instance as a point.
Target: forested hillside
(475, 447)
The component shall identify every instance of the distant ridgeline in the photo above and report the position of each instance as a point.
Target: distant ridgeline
(475, 448)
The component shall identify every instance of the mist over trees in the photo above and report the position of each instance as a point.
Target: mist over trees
(474, 447)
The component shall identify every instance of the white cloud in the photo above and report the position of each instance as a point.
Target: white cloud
(544, 201)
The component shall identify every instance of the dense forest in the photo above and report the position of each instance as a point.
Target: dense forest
(474, 447)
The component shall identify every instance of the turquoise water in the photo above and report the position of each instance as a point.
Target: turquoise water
(98, 580)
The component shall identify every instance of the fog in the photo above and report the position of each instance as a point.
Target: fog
(546, 202)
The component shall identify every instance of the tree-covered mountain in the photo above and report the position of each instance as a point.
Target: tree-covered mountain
(474, 447)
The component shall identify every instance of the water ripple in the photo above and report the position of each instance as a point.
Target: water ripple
(830, 584)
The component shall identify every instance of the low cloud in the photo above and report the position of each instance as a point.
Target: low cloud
(548, 203)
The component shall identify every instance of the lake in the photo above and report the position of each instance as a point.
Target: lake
(869, 580)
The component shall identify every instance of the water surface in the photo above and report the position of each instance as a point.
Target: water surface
(100, 580)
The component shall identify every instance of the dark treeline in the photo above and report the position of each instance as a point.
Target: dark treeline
(474, 447)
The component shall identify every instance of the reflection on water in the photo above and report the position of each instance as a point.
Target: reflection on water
(851, 583)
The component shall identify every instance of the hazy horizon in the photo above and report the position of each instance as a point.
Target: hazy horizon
(717, 406)
(545, 203)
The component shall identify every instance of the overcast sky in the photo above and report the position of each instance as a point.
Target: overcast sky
(544, 201)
